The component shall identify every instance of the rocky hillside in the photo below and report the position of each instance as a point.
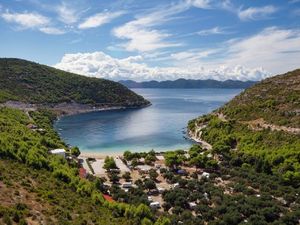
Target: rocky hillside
(30, 82)
(276, 100)
(187, 83)
(259, 128)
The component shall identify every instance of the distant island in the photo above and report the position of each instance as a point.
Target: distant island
(188, 83)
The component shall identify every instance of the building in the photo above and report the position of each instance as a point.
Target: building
(108, 198)
(143, 169)
(127, 185)
(60, 151)
(160, 190)
(154, 205)
(82, 172)
(176, 185)
(192, 205)
(205, 174)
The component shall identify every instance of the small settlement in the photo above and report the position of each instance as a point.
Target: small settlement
(153, 173)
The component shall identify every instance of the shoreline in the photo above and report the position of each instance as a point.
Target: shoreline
(68, 109)
(101, 155)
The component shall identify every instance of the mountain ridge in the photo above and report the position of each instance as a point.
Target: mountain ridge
(188, 83)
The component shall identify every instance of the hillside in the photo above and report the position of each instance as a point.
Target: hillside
(29, 82)
(40, 188)
(258, 128)
(36, 197)
(276, 100)
(184, 83)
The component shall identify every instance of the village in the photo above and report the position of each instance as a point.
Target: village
(155, 171)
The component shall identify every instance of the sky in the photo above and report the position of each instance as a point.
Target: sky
(155, 40)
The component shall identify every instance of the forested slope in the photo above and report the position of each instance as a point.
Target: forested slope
(259, 128)
(30, 82)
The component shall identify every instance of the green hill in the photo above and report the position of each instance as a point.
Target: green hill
(259, 128)
(30, 82)
(276, 100)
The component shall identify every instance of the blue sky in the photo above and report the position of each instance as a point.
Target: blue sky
(145, 40)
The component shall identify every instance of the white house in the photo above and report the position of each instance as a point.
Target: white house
(59, 151)
(154, 205)
(127, 185)
(192, 205)
(160, 189)
(205, 174)
(175, 185)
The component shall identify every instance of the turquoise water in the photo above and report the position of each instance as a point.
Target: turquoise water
(160, 126)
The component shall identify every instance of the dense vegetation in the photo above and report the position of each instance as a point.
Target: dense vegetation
(34, 83)
(228, 194)
(36, 197)
(272, 152)
(29, 147)
(276, 100)
(184, 83)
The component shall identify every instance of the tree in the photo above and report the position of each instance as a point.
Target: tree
(163, 221)
(174, 159)
(198, 161)
(150, 159)
(128, 155)
(114, 177)
(149, 184)
(75, 151)
(143, 211)
(126, 176)
(146, 221)
(109, 163)
(153, 174)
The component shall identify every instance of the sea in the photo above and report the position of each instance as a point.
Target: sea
(161, 126)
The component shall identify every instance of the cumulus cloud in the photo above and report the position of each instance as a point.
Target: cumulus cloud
(101, 65)
(141, 34)
(271, 51)
(256, 13)
(99, 19)
(26, 20)
(277, 50)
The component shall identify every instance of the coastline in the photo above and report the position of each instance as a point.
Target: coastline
(101, 155)
(67, 109)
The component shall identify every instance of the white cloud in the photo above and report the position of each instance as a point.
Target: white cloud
(256, 13)
(67, 14)
(98, 64)
(203, 4)
(214, 30)
(277, 50)
(99, 19)
(52, 30)
(26, 20)
(141, 34)
(271, 51)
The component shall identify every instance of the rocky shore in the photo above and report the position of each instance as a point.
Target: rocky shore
(68, 108)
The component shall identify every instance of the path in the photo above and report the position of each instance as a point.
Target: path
(123, 168)
(196, 136)
(260, 124)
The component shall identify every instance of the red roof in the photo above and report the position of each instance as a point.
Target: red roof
(82, 172)
(108, 198)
